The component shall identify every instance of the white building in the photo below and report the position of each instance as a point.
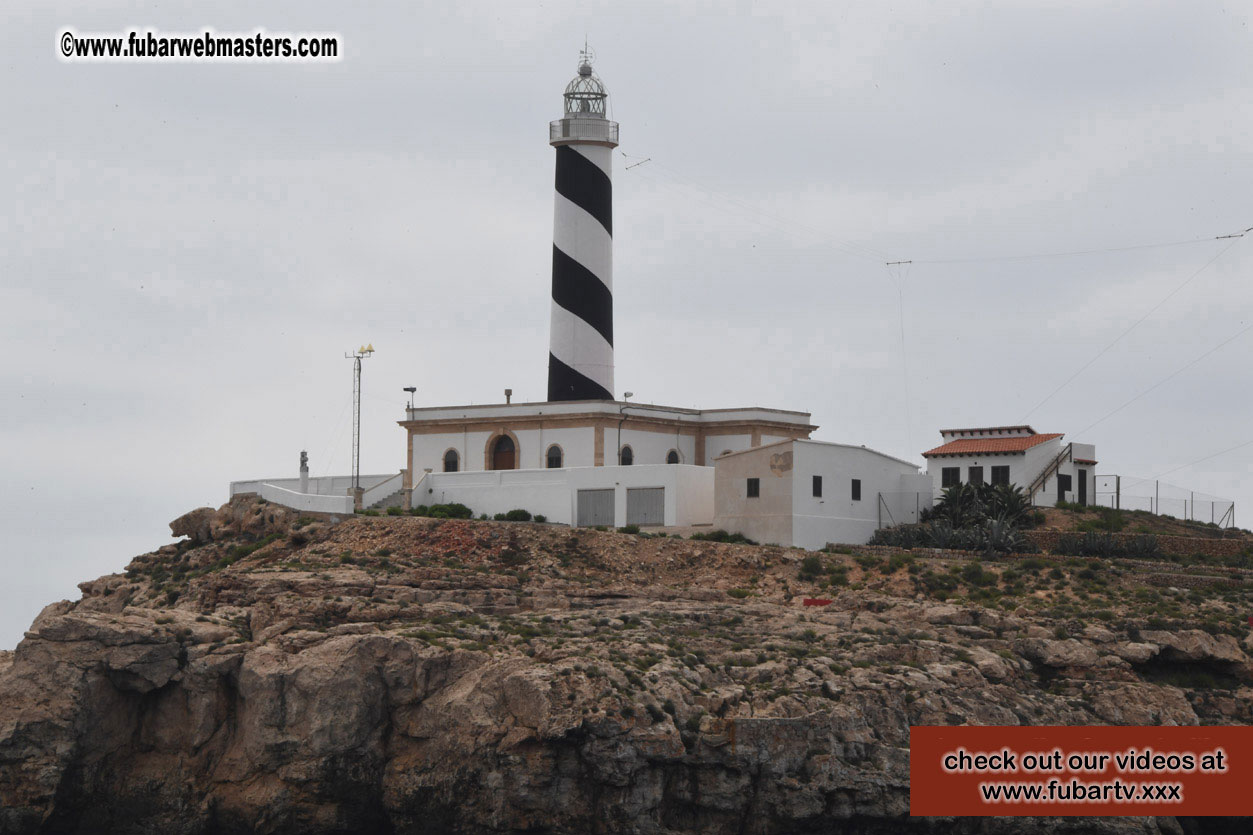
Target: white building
(1048, 469)
(808, 493)
(588, 462)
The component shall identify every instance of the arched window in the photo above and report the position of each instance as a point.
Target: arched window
(503, 453)
(672, 457)
(554, 457)
(452, 461)
(626, 457)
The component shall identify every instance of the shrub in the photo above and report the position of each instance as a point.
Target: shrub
(899, 561)
(973, 574)
(722, 536)
(455, 510)
(394, 511)
(518, 515)
(739, 594)
(541, 518)
(811, 567)
(629, 529)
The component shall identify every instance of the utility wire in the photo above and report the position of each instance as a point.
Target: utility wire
(1133, 326)
(783, 223)
(988, 258)
(1202, 460)
(1169, 377)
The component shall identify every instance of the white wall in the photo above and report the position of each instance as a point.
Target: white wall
(553, 493)
(715, 444)
(836, 516)
(1023, 466)
(650, 447)
(306, 501)
(696, 494)
(322, 486)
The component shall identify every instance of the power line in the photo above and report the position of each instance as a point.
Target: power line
(1203, 460)
(850, 248)
(1169, 377)
(1077, 252)
(1132, 327)
(899, 270)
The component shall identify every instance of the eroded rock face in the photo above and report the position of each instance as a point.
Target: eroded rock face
(403, 675)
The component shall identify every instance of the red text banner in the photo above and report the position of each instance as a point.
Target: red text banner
(1051, 771)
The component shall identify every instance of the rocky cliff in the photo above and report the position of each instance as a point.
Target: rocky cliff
(271, 673)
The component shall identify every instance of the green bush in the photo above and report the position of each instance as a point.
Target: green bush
(811, 567)
(739, 594)
(629, 529)
(541, 518)
(518, 515)
(722, 536)
(394, 511)
(455, 510)
(973, 574)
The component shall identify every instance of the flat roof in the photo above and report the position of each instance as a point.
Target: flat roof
(861, 448)
(609, 407)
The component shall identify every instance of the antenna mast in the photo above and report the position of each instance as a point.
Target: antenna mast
(356, 357)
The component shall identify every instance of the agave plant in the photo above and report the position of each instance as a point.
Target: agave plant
(1000, 535)
(941, 534)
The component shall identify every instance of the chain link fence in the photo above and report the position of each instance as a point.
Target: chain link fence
(1163, 499)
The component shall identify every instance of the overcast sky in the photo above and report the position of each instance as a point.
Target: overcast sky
(191, 248)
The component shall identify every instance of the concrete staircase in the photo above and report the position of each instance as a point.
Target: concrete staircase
(396, 499)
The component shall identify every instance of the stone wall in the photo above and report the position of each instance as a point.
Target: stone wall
(1182, 546)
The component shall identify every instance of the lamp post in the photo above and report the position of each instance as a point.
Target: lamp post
(356, 357)
(411, 390)
(626, 395)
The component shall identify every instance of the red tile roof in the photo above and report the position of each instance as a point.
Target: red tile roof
(981, 446)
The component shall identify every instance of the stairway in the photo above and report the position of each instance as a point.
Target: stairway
(396, 499)
(1038, 484)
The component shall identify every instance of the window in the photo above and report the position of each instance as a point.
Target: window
(976, 475)
(452, 461)
(857, 489)
(553, 459)
(950, 476)
(1000, 475)
(626, 457)
(754, 488)
(672, 457)
(817, 487)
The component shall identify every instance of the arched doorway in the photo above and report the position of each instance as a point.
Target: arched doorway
(503, 453)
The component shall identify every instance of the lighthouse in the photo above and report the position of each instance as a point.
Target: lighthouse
(580, 353)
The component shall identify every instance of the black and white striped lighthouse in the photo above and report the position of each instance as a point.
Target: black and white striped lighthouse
(580, 354)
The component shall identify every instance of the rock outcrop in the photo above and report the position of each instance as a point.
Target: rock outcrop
(278, 674)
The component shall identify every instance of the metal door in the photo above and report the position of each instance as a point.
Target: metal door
(595, 507)
(1083, 486)
(646, 506)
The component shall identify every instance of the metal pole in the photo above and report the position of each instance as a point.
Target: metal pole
(1157, 492)
(1192, 516)
(356, 423)
(1118, 492)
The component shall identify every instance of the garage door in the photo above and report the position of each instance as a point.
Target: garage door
(595, 507)
(646, 506)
